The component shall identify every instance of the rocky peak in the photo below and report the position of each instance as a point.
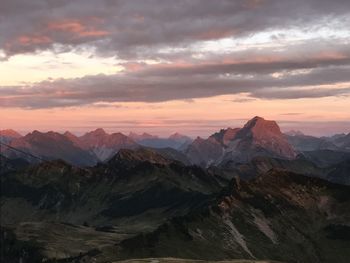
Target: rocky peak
(132, 157)
(34, 133)
(99, 132)
(177, 136)
(224, 136)
(260, 128)
(44, 136)
(33, 136)
(143, 136)
(10, 133)
(259, 135)
(94, 137)
(75, 140)
(198, 141)
(69, 134)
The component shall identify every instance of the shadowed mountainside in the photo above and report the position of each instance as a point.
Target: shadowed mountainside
(280, 215)
(142, 204)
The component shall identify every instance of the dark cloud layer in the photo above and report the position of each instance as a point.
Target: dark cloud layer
(139, 30)
(136, 28)
(132, 87)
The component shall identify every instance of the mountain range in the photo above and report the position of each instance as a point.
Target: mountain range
(141, 204)
(258, 137)
(87, 150)
(250, 193)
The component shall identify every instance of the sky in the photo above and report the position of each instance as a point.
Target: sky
(162, 66)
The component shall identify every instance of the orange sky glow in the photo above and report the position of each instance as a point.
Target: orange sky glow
(129, 68)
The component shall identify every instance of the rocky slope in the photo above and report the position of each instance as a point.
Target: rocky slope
(105, 145)
(335, 171)
(6, 136)
(342, 141)
(204, 152)
(324, 158)
(301, 142)
(50, 146)
(136, 191)
(280, 216)
(225, 136)
(176, 141)
(143, 204)
(258, 137)
(132, 183)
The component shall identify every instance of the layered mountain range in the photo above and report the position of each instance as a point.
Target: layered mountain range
(250, 193)
(258, 137)
(87, 150)
(141, 204)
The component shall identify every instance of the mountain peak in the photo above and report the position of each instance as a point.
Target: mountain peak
(69, 134)
(50, 134)
(259, 135)
(75, 140)
(224, 136)
(35, 132)
(258, 121)
(258, 118)
(131, 157)
(140, 137)
(10, 133)
(42, 137)
(258, 127)
(254, 121)
(94, 135)
(99, 131)
(178, 136)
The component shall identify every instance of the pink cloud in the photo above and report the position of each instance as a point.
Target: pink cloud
(30, 40)
(78, 28)
(73, 30)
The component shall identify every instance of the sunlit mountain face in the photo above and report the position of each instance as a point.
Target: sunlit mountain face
(174, 131)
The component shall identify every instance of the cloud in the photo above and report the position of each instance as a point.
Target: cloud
(59, 31)
(141, 28)
(267, 75)
(243, 100)
(167, 85)
(299, 93)
(175, 51)
(250, 62)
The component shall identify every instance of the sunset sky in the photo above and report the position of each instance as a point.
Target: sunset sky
(162, 66)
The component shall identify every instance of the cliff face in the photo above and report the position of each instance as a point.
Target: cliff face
(258, 137)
